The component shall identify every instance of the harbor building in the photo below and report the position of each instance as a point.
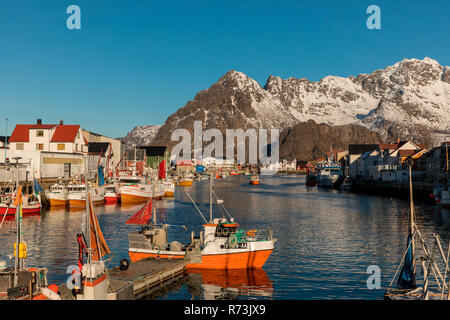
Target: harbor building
(116, 151)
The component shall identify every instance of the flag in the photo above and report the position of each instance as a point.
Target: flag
(101, 179)
(162, 170)
(18, 199)
(36, 186)
(143, 216)
(407, 279)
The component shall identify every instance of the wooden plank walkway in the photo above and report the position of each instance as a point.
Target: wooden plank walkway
(144, 274)
(148, 273)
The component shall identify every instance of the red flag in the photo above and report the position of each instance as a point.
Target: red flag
(162, 170)
(143, 216)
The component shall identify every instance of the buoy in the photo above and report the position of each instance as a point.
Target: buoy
(54, 288)
(50, 294)
(124, 263)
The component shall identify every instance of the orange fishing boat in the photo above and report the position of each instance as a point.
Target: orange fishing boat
(221, 245)
(254, 180)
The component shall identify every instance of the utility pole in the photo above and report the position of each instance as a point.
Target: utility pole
(17, 262)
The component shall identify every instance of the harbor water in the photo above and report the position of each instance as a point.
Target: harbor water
(327, 238)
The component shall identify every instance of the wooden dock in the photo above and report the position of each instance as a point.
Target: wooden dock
(144, 275)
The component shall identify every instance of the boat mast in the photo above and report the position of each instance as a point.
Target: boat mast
(411, 216)
(88, 224)
(154, 204)
(210, 198)
(6, 138)
(17, 261)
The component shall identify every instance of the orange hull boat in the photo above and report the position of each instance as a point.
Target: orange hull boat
(58, 203)
(127, 198)
(185, 183)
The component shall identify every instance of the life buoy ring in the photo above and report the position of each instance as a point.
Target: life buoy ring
(251, 233)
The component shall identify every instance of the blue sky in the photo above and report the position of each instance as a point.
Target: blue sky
(136, 62)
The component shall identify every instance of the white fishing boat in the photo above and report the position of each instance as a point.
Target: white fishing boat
(169, 188)
(57, 195)
(329, 175)
(442, 196)
(77, 195)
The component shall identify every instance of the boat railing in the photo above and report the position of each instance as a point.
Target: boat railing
(251, 235)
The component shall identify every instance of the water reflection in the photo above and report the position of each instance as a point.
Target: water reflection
(229, 284)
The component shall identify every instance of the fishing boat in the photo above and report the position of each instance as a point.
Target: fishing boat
(169, 188)
(329, 175)
(434, 283)
(57, 195)
(442, 196)
(166, 184)
(185, 181)
(21, 282)
(93, 282)
(254, 179)
(112, 195)
(222, 244)
(31, 205)
(77, 195)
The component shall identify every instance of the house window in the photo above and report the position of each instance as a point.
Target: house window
(61, 146)
(19, 146)
(39, 146)
(39, 133)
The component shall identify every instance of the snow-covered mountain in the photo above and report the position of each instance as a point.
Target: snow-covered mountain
(142, 135)
(408, 100)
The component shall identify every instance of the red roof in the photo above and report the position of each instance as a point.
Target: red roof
(65, 133)
(42, 126)
(389, 146)
(20, 133)
(406, 153)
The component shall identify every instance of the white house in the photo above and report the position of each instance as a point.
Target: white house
(48, 137)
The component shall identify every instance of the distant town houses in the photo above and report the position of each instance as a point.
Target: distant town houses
(388, 164)
(54, 151)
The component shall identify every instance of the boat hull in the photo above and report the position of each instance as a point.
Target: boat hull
(58, 202)
(169, 194)
(185, 183)
(111, 199)
(130, 198)
(238, 260)
(25, 211)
